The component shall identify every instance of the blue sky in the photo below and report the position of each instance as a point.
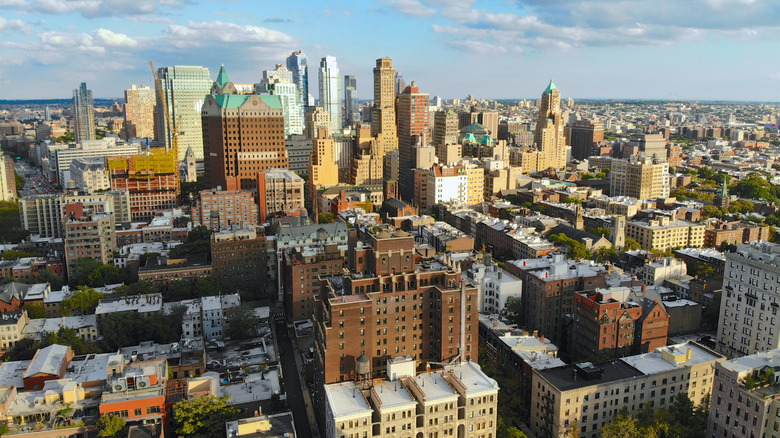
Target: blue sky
(661, 49)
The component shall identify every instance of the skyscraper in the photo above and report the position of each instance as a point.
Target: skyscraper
(296, 63)
(83, 114)
(383, 113)
(330, 90)
(280, 83)
(242, 136)
(184, 89)
(445, 136)
(400, 83)
(584, 133)
(412, 123)
(139, 112)
(351, 111)
(549, 140)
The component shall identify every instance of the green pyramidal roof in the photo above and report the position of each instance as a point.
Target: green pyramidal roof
(547, 90)
(222, 77)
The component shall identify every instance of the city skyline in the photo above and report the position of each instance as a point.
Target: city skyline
(593, 50)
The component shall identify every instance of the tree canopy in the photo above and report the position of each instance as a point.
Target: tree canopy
(123, 329)
(110, 425)
(242, 323)
(203, 417)
(12, 230)
(83, 301)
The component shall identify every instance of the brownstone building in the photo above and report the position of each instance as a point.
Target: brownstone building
(243, 134)
(388, 305)
(734, 232)
(302, 270)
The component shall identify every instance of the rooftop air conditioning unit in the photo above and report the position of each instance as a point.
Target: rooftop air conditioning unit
(118, 386)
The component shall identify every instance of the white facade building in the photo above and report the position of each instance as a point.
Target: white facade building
(330, 91)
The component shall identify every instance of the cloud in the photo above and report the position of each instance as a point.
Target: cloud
(411, 7)
(200, 34)
(277, 20)
(91, 8)
(105, 37)
(14, 25)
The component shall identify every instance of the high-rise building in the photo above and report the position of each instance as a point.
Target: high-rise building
(152, 180)
(139, 112)
(280, 83)
(412, 125)
(240, 260)
(400, 83)
(296, 63)
(318, 123)
(351, 110)
(383, 123)
(87, 235)
(642, 178)
(430, 314)
(445, 136)
(83, 114)
(584, 133)
(8, 189)
(330, 90)
(458, 400)
(224, 209)
(747, 386)
(279, 191)
(549, 129)
(748, 305)
(184, 89)
(579, 395)
(242, 136)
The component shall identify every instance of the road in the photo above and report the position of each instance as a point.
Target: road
(292, 381)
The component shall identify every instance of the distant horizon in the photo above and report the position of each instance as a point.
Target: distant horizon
(508, 99)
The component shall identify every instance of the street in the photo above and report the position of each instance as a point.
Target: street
(292, 381)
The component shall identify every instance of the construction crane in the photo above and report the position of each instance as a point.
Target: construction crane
(174, 130)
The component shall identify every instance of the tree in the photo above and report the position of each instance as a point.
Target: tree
(326, 218)
(601, 175)
(12, 230)
(103, 275)
(203, 417)
(576, 250)
(514, 309)
(47, 276)
(631, 244)
(13, 254)
(242, 323)
(84, 301)
(606, 254)
(35, 310)
(123, 329)
(110, 425)
(572, 200)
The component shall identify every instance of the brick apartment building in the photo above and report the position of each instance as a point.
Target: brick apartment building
(388, 305)
(605, 326)
(734, 232)
(222, 209)
(244, 261)
(302, 270)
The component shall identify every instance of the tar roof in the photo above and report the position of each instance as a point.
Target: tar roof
(563, 377)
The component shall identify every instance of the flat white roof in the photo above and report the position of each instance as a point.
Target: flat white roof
(470, 375)
(346, 399)
(769, 358)
(391, 395)
(650, 363)
(433, 386)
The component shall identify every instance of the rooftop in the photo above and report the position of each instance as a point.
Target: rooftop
(138, 303)
(563, 377)
(671, 357)
(47, 360)
(346, 399)
(391, 395)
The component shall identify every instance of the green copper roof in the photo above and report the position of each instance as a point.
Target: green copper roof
(236, 100)
(550, 87)
(222, 77)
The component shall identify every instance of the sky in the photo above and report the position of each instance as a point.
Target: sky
(496, 49)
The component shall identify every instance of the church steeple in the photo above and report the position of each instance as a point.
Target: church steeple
(222, 77)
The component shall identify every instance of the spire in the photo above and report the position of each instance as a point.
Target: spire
(724, 192)
(550, 87)
(222, 77)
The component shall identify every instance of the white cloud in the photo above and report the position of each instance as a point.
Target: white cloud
(208, 32)
(105, 37)
(15, 25)
(411, 7)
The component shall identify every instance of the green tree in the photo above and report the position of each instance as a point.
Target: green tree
(242, 323)
(35, 310)
(110, 425)
(712, 211)
(572, 200)
(47, 276)
(13, 254)
(12, 230)
(631, 244)
(83, 301)
(203, 417)
(326, 218)
(601, 175)
(576, 250)
(514, 309)
(587, 175)
(103, 275)
(606, 254)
